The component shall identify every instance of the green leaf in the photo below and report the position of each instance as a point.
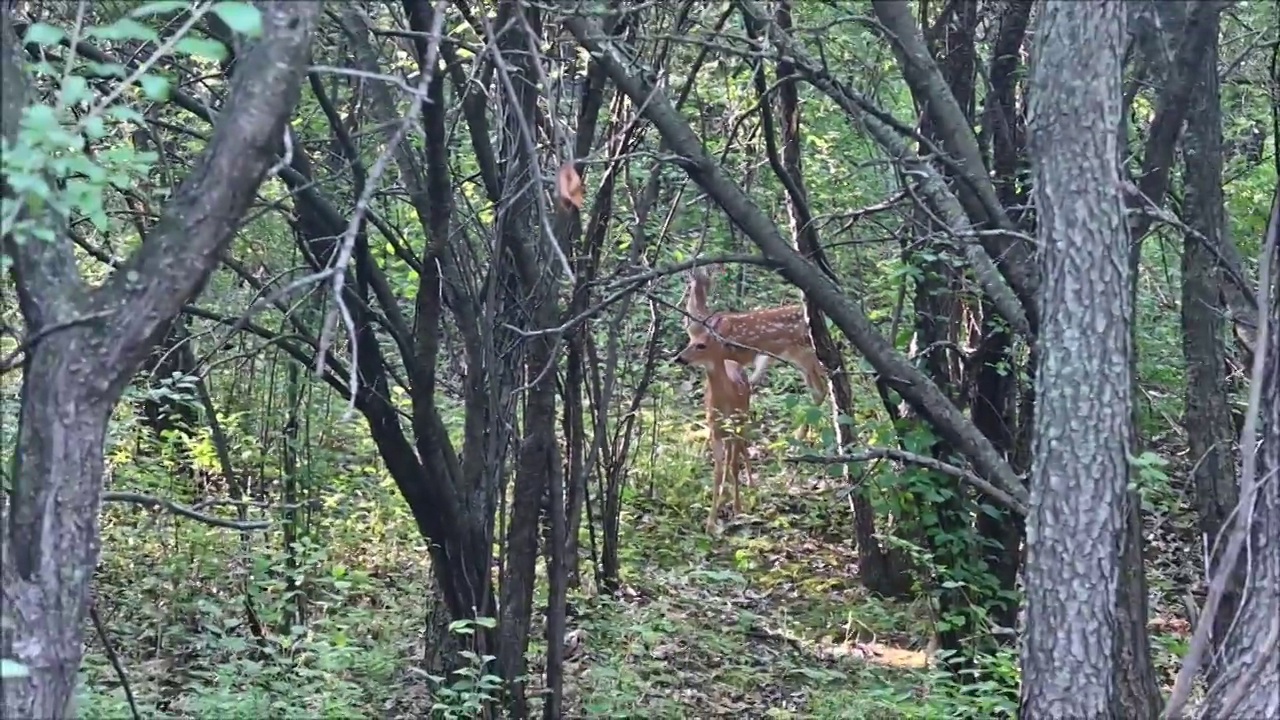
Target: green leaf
(98, 69)
(200, 47)
(44, 68)
(40, 116)
(159, 7)
(95, 127)
(12, 669)
(43, 34)
(124, 113)
(155, 87)
(75, 90)
(240, 17)
(125, 29)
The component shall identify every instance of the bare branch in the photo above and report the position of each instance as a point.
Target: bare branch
(924, 461)
(342, 259)
(151, 501)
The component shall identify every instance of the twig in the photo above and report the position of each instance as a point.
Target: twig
(195, 14)
(113, 659)
(152, 501)
(689, 265)
(415, 91)
(869, 454)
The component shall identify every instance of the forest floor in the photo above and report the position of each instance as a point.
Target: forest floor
(766, 619)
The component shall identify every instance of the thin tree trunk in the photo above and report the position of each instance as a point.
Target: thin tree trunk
(1208, 413)
(538, 465)
(874, 567)
(1249, 684)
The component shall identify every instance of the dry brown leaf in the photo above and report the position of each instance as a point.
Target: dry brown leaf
(569, 187)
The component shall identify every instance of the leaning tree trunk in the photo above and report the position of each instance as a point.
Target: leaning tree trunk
(88, 341)
(1080, 470)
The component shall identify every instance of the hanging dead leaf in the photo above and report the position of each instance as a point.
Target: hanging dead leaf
(569, 187)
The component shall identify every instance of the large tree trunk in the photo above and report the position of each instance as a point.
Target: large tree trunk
(1208, 413)
(1080, 470)
(91, 341)
(50, 548)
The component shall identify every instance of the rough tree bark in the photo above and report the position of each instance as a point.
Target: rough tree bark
(1249, 684)
(1208, 412)
(1080, 469)
(89, 342)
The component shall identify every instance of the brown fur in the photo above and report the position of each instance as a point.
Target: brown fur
(756, 337)
(727, 407)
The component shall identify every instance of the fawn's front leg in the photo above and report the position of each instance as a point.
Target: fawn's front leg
(737, 463)
(717, 481)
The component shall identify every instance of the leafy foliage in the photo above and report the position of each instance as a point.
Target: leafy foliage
(245, 411)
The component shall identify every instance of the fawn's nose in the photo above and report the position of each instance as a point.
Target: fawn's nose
(678, 358)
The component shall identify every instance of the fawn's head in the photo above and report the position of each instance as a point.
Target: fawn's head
(704, 349)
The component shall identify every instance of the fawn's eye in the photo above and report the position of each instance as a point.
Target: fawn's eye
(700, 346)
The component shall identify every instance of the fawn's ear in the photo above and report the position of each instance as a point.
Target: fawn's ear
(715, 272)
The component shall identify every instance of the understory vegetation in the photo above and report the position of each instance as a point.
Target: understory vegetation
(768, 620)
(384, 358)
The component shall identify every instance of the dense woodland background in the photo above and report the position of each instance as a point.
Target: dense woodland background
(327, 394)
